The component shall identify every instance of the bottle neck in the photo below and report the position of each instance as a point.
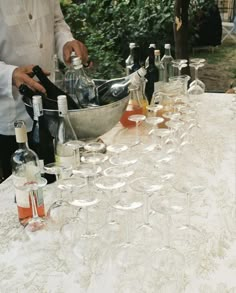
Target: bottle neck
(167, 52)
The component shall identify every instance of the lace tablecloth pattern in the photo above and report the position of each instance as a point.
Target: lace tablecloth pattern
(47, 262)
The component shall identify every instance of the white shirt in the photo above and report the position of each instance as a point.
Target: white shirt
(31, 31)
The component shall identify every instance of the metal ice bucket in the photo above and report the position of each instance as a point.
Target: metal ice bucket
(89, 123)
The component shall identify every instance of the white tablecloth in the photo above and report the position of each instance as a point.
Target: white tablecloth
(48, 263)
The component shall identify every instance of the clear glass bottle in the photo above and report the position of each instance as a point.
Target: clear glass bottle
(130, 59)
(64, 153)
(159, 65)
(42, 140)
(166, 62)
(70, 78)
(85, 89)
(25, 169)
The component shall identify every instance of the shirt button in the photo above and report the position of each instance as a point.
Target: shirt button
(30, 16)
(41, 46)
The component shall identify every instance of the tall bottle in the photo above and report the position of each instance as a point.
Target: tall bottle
(25, 168)
(158, 64)
(69, 79)
(147, 59)
(130, 59)
(152, 75)
(118, 88)
(136, 60)
(84, 86)
(166, 62)
(64, 153)
(42, 141)
(52, 90)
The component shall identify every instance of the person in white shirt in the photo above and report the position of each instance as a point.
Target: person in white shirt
(31, 32)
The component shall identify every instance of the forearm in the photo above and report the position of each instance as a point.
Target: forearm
(6, 72)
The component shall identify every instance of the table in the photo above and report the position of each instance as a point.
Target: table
(48, 263)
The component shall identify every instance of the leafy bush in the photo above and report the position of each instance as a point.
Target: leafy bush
(108, 26)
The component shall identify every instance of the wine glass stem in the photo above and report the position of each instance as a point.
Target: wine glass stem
(188, 208)
(168, 221)
(86, 221)
(128, 219)
(34, 209)
(146, 209)
(196, 73)
(137, 132)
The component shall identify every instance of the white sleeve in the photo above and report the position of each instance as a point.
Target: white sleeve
(62, 30)
(6, 79)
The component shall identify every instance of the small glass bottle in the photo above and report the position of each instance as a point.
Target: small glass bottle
(25, 169)
(85, 89)
(130, 59)
(64, 153)
(166, 62)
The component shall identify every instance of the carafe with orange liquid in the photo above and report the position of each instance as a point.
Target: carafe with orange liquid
(137, 105)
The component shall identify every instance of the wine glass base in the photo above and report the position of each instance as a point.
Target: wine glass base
(35, 225)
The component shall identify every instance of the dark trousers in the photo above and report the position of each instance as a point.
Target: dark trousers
(8, 145)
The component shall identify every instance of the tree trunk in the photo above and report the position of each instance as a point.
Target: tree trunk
(181, 31)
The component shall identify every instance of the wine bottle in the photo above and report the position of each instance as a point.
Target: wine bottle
(118, 88)
(41, 139)
(28, 93)
(147, 59)
(51, 89)
(25, 169)
(166, 62)
(84, 86)
(152, 75)
(64, 153)
(136, 60)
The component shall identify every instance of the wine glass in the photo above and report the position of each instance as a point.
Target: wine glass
(118, 158)
(196, 87)
(180, 64)
(76, 145)
(33, 188)
(60, 171)
(147, 187)
(95, 146)
(138, 118)
(189, 185)
(110, 185)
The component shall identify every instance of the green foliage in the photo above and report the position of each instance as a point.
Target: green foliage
(108, 26)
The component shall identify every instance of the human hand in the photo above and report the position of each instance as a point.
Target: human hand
(79, 49)
(23, 75)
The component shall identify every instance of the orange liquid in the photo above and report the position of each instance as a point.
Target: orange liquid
(25, 214)
(130, 110)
